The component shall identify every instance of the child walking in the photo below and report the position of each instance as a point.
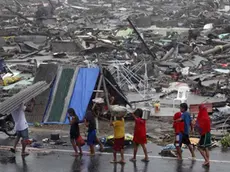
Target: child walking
(92, 137)
(186, 118)
(179, 130)
(139, 135)
(203, 123)
(74, 131)
(119, 138)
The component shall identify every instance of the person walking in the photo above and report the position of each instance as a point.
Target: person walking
(96, 112)
(186, 118)
(179, 130)
(91, 138)
(21, 127)
(74, 131)
(139, 135)
(119, 138)
(203, 123)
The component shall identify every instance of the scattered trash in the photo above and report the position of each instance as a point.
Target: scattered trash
(37, 124)
(157, 106)
(108, 141)
(225, 141)
(46, 140)
(168, 153)
(36, 145)
(124, 33)
(54, 137)
(208, 26)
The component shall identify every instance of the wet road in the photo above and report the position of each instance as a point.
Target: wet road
(60, 160)
(63, 162)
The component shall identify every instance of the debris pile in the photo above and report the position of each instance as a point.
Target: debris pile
(148, 46)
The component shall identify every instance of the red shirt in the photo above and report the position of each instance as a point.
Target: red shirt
(140, 131)
(178, 126)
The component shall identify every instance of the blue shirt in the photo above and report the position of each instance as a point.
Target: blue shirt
(187, 122)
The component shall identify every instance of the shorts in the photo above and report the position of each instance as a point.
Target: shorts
(91, 138)
(205, 141)
(119, 144)
(185, 139)
(24, 134)
(73, 136)
(139, 139)
(178, 140)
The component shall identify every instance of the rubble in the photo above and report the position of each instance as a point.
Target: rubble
(151, 47)
(225, 141)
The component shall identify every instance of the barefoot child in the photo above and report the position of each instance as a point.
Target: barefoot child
(119, 139)
(203, 123)
(96, 112)
(74, 130)
(139, 135)
(92, 137)
(188, 126)
(179, 129)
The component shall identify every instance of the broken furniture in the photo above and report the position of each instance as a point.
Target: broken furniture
(182, 95)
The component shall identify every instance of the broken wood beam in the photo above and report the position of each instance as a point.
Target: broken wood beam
(19, 15)
(168, 54)
(142, 40)
(222, 56)
(30, 54)
(52, 6)
(219, 42)
(216, 49)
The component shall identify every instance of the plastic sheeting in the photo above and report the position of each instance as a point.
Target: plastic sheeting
(83, 90)
(60, 95)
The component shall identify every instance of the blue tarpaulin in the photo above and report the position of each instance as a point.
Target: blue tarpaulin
(83, 90)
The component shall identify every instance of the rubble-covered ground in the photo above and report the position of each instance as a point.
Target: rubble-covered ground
(156, 130)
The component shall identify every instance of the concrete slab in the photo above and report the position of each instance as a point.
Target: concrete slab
(65, 46)
(192, 98)
(167, 103)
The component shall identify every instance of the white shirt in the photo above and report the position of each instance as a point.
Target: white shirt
(20, 119)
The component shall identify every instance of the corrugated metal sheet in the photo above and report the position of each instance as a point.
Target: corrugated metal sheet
(25, 95)
(45, 72)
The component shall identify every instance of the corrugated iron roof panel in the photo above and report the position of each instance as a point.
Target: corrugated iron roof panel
(24, 96)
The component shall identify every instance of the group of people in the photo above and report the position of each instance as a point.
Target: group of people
(184, 125)
(119, 134)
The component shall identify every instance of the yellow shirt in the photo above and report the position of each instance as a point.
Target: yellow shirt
(119, 129)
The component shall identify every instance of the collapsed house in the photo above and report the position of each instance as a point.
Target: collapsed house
(68, 86)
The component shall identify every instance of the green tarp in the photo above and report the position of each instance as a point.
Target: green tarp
(60, 95)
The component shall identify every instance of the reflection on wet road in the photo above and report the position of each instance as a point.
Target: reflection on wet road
(64, 162)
